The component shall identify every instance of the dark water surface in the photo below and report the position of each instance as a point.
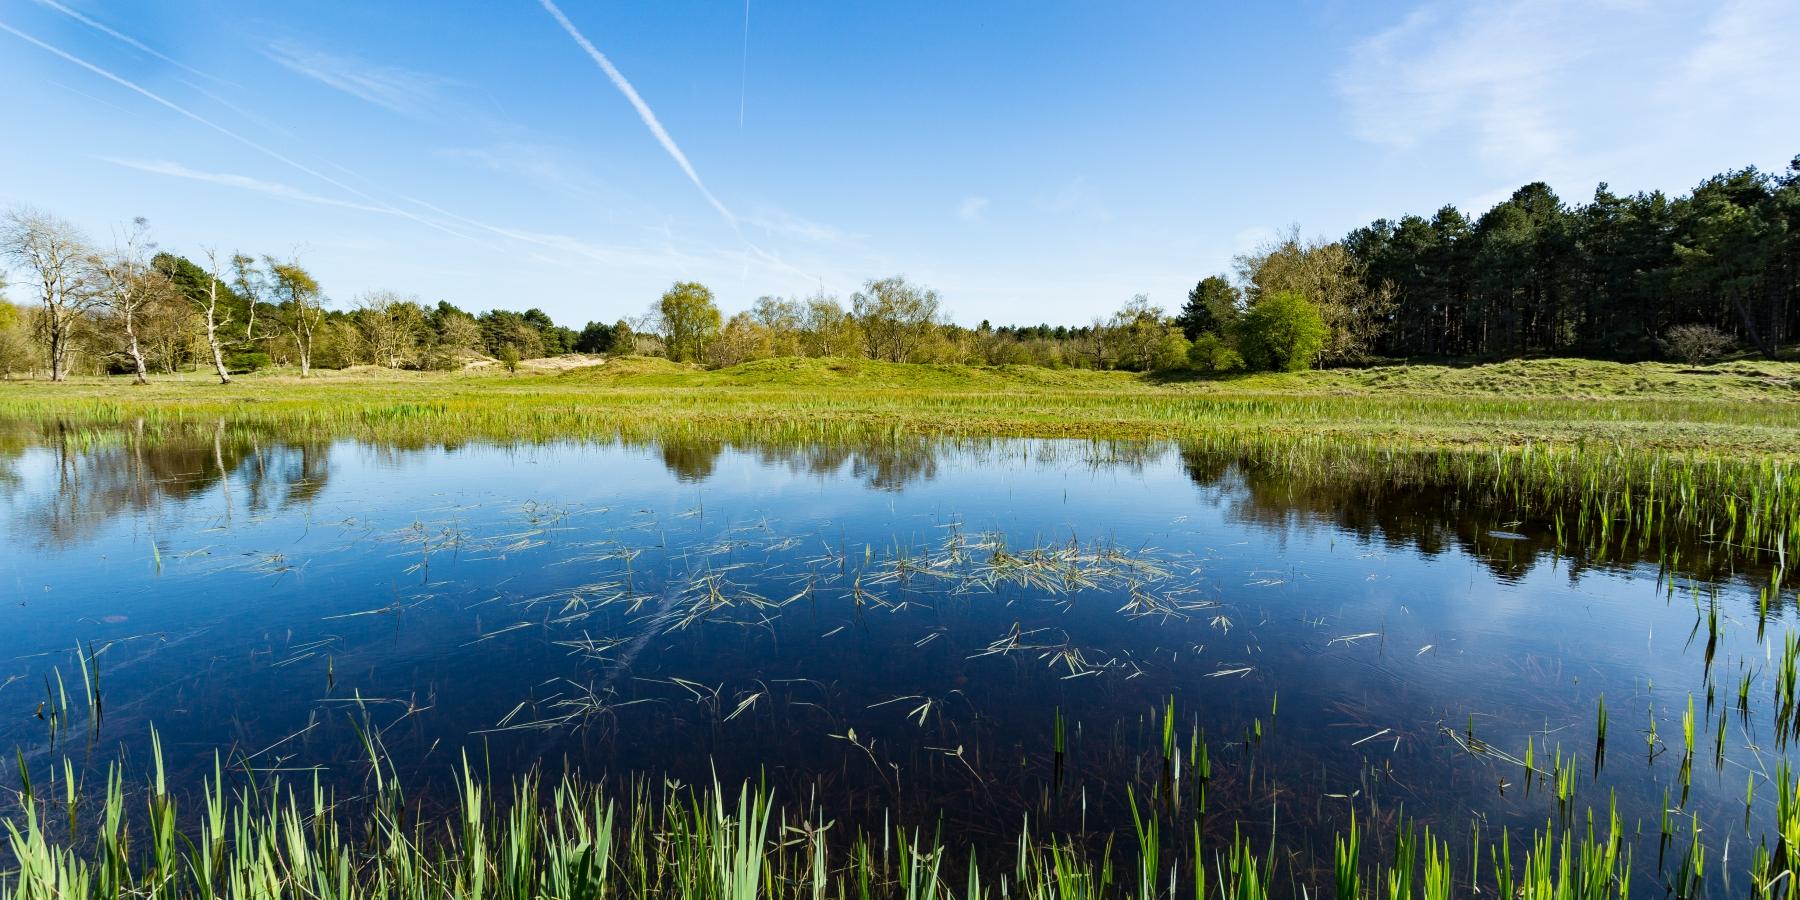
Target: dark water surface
(877, 628)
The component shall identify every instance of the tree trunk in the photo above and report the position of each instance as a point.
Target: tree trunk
(58, 349)
(140, 375)
(1766, 344)
(218, 355)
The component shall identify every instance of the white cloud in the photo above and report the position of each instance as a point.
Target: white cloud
(404, 91)
(972, 209)
(1491, 69)
(781, 223)
(1745, 43)
(1563, 91)
(546, 166)
(242, 182)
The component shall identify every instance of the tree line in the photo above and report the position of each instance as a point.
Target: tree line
(132, 309)
(1609, 278)
(1619, 277)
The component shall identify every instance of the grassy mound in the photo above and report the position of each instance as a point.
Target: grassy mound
(1563, 378)
(630, 367)
(802, 372)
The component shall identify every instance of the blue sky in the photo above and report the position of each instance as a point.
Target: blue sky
(1033, 161)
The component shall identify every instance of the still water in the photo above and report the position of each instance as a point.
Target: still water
(900, 630)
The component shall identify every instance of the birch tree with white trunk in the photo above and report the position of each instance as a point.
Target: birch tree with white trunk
(214, 316)
(57, 257)
(127, 287)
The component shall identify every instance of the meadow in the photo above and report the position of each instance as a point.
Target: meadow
(1728, 410)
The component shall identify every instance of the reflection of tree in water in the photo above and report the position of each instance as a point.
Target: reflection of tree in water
(884, 466)
(691, 461)
(891, 467)
(888, 466)
(1409, 509)
(95, 484)
(894, 464)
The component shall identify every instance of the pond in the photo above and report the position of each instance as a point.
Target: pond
(963, 634)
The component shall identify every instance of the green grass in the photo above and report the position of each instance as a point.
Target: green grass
(1730, 410)
(277, 838)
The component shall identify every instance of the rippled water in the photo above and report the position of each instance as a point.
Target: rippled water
(896, 627)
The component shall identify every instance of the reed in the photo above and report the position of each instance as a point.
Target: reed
(275, 837)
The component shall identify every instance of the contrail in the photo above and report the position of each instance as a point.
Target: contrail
(643, 109)
(127, 39)
(277, 155)
(244, 182)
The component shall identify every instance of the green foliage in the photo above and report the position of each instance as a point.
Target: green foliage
(896, 318)
(1170, 351)
(689, 320)
(193, 282)
(509, 358)
(556, 339)
(249, 361)
(502, 328)
(1606, 278)
(1283, 332)
(1211, 306)
(597, 337)
(17, 353)
(1212, 354)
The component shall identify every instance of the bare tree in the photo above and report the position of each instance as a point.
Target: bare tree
(128, 287)
(391, 326)
(213, 316)
(57, 255)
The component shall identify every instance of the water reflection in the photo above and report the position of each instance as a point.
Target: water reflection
(87, 488)
(78, 484)
(1430, 516)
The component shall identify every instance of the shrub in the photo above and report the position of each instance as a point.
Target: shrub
(1283, 331)
(440, 360)
(1695, 344)
(1170, 352)
(509, 358)
(1210, 353)
(240, 363)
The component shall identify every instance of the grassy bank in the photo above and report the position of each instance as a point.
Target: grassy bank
(1731, 410)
